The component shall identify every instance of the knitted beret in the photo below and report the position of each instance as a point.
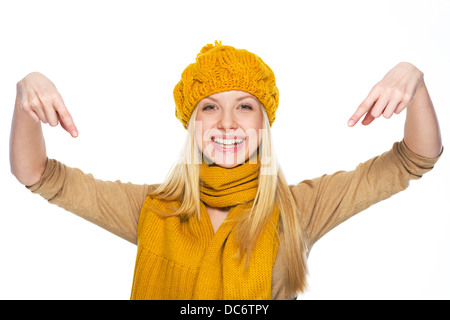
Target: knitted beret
(220, 68)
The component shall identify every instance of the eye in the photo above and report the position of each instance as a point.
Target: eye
(208, 107)
(246, 107)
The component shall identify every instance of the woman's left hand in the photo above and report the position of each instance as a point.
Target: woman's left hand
(391, 95)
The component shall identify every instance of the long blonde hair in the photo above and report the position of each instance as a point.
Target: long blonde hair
(183, 185)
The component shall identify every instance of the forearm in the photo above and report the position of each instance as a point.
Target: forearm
(112, 205)
(27, 153)
(422, 134)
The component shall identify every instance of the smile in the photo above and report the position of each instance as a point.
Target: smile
(227, 143)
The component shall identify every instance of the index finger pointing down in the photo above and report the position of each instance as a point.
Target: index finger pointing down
(65, 118)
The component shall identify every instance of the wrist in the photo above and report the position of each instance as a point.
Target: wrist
(421, 97)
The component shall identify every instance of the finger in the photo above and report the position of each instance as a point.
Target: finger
(390, 108)
(28, 110)
(50, 113)
(364, 107)
(367, 119)
(379, 106)
(401, 107)
(64, 116)
(34, 116)
(35, 106)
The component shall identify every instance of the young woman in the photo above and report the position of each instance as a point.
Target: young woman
(225, 224)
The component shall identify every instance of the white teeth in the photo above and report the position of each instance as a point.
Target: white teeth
(228, 142)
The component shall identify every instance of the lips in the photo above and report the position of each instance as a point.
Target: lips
(227, 142)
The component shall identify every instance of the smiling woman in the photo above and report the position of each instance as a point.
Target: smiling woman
(240, 188)
(225, 224)
(228, 126)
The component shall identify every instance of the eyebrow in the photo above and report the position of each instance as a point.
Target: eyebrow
(238, 99)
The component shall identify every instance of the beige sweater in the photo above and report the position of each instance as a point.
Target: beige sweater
(323, 202)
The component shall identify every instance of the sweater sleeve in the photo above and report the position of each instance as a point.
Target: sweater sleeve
(114, 206)
(327, 201)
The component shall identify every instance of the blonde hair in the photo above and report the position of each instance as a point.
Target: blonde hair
(183, 185)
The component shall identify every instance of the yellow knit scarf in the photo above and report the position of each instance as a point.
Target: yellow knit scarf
(185, 259)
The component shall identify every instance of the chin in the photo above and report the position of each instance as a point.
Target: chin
(227, 161)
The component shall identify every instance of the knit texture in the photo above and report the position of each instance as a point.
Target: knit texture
(219, 191)
(220, 68)
(185, 259)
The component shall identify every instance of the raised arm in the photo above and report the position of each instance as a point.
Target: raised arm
(37, 100)
(329, 200)
(404, 87)
(112, 205)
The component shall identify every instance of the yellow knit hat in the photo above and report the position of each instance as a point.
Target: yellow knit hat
(220, 68)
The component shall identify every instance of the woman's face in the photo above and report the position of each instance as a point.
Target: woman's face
(228, 127)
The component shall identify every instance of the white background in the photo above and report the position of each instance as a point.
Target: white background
(116, 63)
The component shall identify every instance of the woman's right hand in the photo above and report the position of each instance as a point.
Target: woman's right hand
(39, 99)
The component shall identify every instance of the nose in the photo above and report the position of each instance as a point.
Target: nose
(227, 121)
